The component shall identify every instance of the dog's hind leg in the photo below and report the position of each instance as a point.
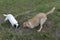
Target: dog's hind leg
(42, 21)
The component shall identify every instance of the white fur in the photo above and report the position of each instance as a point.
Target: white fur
(11, 19)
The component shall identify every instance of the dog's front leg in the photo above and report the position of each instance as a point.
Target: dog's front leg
(42, 21)
(40, 29)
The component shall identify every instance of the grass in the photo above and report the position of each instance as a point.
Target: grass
(50, 30)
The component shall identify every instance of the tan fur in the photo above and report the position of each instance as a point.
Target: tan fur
(38, 19)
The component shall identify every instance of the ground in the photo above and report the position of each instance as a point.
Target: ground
(50, 29)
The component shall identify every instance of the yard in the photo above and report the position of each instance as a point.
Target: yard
(51, 29)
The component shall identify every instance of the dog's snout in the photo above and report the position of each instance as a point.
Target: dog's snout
(24, 26)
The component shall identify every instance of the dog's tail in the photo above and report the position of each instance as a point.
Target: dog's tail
(4, 15)
(51, 11)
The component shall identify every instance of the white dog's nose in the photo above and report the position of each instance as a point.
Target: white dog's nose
(16, 25)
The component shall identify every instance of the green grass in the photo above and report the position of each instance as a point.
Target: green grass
(50, 30)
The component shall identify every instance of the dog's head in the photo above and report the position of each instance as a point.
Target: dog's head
(16, 25)
(25, 24)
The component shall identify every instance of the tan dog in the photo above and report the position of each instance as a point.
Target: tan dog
(38, 19)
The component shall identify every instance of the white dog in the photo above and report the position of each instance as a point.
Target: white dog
(11, 19)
